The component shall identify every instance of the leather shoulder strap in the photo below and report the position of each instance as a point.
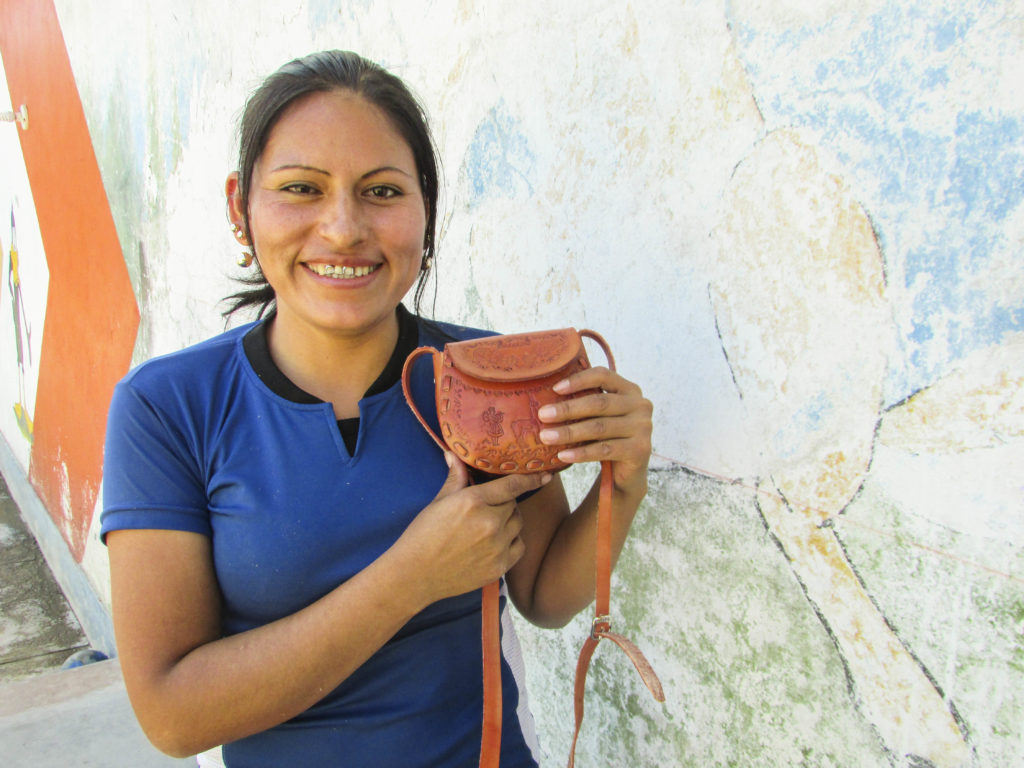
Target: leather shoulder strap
(601, 627)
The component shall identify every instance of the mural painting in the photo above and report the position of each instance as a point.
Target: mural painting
(22, 333)
(25, 278)
(778, 308)
(90, 311)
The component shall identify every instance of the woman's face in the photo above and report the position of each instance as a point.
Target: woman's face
(336, 214)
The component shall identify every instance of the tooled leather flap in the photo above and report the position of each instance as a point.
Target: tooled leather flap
(515, 357)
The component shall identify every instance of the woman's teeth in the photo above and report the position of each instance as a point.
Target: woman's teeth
(341, 273)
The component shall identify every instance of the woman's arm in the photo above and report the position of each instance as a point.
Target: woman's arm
(555, 578)
(193, 689)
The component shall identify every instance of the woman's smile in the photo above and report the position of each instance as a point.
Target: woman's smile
(339, 272)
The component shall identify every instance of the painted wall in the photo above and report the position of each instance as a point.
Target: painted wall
(73, 316)
(798, 223)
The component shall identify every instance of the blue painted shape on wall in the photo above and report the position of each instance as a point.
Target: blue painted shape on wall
(939, 176)
(499, 161)
(988, 177)
(806, 422)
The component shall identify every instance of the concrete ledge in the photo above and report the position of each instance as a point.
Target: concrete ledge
(91, 613)
(77, 717)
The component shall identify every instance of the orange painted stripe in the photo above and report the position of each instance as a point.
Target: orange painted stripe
(91, 314)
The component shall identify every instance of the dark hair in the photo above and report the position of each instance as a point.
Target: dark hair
(322, 72)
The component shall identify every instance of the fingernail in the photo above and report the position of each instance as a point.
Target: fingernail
(561, 386)
(547, 412)
(567, 456)
(548, 435)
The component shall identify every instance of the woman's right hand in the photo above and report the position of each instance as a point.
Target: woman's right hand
(468, 536)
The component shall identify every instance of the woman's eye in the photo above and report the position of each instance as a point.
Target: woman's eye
(381, 192)
(299, 188)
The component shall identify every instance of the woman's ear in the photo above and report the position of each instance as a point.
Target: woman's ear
(234, 196)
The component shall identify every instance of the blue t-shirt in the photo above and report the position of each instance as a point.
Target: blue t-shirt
(196, 441)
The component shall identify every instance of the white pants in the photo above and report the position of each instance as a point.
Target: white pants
(210, 759)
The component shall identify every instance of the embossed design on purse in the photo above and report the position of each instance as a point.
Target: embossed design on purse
(508, 354)
(521, 428)
(492, 424)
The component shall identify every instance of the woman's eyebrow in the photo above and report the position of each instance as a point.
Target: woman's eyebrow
(385, 169)
(299, 167)
(314, 169)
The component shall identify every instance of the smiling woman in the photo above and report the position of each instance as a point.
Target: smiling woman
(274, 589)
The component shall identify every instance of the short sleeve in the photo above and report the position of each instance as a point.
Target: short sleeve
(151, 473)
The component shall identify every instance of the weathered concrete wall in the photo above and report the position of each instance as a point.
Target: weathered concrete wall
(798, 223)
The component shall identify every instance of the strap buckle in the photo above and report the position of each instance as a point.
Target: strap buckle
(604, 619)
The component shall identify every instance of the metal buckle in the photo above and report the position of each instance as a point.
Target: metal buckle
(605, 619)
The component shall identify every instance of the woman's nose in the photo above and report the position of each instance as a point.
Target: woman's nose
(343, 222)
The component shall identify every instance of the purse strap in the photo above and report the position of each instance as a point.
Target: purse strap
(602, 624)
(490, 615)
(600, 629)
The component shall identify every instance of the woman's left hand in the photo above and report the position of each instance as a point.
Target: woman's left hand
(613, 424)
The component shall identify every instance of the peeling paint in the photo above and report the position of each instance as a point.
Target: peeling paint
(978, 405)
(912, 101)
(893, 691)
(797, 266)
(499, 160)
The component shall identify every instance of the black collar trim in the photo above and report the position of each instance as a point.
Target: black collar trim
(257, 351)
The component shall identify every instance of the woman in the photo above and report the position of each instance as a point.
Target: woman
(295, 566)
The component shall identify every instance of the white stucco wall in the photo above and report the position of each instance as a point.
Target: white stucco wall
(799, 224)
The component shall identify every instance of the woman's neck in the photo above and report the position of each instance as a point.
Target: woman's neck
(335, 367)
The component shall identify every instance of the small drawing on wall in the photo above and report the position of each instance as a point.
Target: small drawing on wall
(22, 331)
(26, 280)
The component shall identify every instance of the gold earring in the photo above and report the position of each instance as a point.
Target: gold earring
(246, 259)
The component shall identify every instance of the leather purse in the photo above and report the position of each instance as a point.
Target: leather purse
(487, 394)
